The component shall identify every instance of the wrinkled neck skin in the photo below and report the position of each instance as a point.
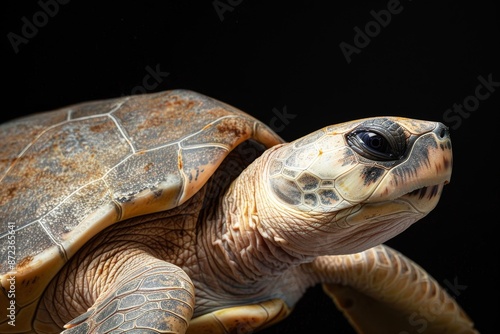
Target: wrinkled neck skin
(246, 236)
(250, 243)
(239, 258)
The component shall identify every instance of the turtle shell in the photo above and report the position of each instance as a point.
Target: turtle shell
(68, 174)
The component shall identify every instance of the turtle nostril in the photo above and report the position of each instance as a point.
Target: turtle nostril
(442, 131)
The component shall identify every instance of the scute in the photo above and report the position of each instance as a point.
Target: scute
(67, 174)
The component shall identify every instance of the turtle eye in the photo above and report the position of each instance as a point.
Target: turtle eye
(380, 140)
(374, 142)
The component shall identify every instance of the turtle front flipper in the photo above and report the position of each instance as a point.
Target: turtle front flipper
(380, 291)
(156, 298)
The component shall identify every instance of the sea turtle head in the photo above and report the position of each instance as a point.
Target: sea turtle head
(351, 186)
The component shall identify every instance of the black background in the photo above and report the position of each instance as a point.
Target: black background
(262, 57)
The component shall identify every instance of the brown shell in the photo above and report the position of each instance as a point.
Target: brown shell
(68, 174)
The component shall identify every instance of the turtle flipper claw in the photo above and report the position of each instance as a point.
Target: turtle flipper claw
(79, 324)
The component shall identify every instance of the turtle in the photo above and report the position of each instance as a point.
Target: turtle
(174, 212)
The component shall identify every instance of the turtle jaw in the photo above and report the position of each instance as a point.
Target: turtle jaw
(416, 204)
(425, 199)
